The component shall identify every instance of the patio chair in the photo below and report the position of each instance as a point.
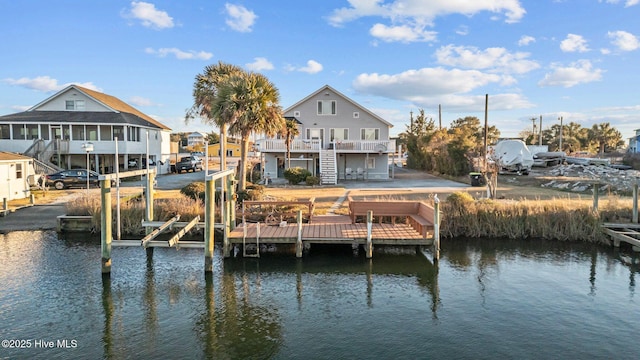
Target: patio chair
(348, 173)
(360, 173)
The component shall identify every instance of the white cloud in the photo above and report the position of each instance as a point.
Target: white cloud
(623, 40)
(149, 15)
(240, 19)
(402, 33)
(46, 84)
(180, 54)
(428, 86)
(312, 67)
(627, 3)
(526, 40)
(580, 72)
(424, 12)
(494, 59)
(21, 107)
(259, 64)
(574, 43)
(141, 101)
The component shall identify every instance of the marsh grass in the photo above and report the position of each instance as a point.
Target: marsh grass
(554, 219)
(132, 212)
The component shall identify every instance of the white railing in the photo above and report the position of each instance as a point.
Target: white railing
(299, 145)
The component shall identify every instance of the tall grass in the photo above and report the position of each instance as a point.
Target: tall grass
(132, 212)
(555, 219)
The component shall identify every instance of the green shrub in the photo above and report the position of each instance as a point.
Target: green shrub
(195, 190)
(253, 192)
(296, 175)
(312, 180)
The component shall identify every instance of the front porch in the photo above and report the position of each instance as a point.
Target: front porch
(315, 145)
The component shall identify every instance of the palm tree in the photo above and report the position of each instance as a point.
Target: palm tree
(605, 136)
(289, 131)
(253, 102)
(205, 90)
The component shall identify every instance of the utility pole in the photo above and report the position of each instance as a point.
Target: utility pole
(533, 132)
(540, 130)
(560, 118)
(439, 117)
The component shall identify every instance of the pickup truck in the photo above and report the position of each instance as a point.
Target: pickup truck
(189, 163)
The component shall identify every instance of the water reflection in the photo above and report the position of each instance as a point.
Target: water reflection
(336, 305)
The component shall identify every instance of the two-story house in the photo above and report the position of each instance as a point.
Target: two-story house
(195, 139)
(78, 125)
(338, 140)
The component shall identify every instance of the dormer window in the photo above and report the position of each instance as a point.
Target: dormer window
(77, 105)
(326, 107)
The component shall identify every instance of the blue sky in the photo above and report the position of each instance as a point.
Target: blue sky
(578, 59)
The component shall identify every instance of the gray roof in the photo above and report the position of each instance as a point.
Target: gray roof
(79, 117)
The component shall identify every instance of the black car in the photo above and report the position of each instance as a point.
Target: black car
(71, 178)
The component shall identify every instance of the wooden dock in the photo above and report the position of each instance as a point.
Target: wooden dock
(628, 233)
(331, 230)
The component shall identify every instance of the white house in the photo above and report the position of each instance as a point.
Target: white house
(16, 172)
(633, 142)
(77, 124)
(339, 140)
(195, 139)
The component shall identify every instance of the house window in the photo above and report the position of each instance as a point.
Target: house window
(369, 134)
(92, 132)
(340, 134)
(371, 163)
(133, 133)
(326, 107)
(105, 133)
(118, 133)
(18, 170)
(77, 132)
(32, 131)
(74, 105)
(19, 132)
(44, 132)
(4, 132)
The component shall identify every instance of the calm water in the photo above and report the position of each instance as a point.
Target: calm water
(496, 300)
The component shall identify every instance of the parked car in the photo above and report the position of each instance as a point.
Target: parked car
(189, 163)
(72, 178)
(133, 163)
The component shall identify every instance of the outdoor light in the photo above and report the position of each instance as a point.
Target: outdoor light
(88, 147)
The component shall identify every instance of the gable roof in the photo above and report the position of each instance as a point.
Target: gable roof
(8, 156)
(327, 87)
(111, 102)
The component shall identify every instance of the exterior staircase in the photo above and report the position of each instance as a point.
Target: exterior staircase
(328, 167)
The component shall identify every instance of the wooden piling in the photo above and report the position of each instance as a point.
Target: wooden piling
(635, 202)
(32, 199)
(369, 244)
(148, 209)
(596, 194)
(105, 226)
(231, 192)
(299, 241)
(5, 204)
(436, 228)
(209, 221)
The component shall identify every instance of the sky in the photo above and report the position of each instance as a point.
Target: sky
(575, 59)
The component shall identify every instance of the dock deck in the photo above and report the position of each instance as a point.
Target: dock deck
(330, 230)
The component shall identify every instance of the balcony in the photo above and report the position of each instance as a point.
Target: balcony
(342, 146)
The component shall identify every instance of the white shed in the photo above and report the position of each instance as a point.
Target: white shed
(16, 173)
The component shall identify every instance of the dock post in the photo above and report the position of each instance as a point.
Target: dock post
(5, 204)
(226, 219)
(231, 192)
(209, 224)
(148, 211)
(105, 226)
(436, 228)
(369, 245)
(299, 241)
(32, 199)
(596, 193)
(635, 202)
